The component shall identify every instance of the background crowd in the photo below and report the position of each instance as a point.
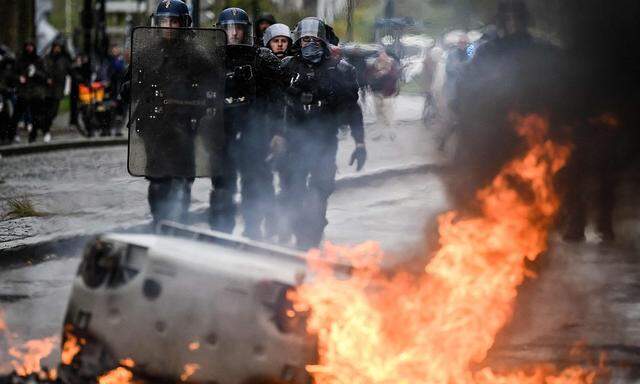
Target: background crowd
(32, 89)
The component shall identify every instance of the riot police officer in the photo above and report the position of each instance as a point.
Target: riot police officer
(261, 24)
(322, 95)
(252, 74)
(171, 92)
(278, 39)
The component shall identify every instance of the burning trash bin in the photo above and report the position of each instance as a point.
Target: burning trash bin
(207, 307)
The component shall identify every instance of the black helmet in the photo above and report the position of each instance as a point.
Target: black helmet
(269, 18)
(514, 8)
(310, 26)
(168, 9)
(235, 22)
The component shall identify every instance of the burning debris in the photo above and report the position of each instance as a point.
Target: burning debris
(439, 327)
(25, 358)
(370, 327)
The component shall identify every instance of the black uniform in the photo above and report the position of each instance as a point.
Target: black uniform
(252, 74)
(320, 98)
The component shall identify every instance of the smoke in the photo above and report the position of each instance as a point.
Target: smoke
(586, 83)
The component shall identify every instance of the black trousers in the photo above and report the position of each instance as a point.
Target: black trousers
(7, 121)
(53, 106)
(36, 108)
(588, 183)
(169, 199)
(244, 160)
(307, 181)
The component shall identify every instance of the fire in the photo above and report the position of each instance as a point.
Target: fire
(128, 362)
(194, 346)
(439, 326)
(28, 356)
(189, 370)
(71, 347)
(120, 375)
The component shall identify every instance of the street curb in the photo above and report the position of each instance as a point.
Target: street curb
(35, 252)
(364, 178)
(25, 149)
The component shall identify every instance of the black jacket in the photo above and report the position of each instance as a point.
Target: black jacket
(31, 68)
(57, 67)
(322, 96)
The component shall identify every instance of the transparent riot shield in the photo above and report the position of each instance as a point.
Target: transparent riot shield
(177, 95)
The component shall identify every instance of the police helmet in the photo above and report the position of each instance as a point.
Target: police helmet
(310, 26)
(168, 9)
(266, 17)
(515, 8)
(236, 24)
(274, 31)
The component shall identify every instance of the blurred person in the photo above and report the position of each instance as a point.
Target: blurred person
(322, 95)
(80, 74)
(252, 75)
(32, 89)
(429, 110)
(261, 24)
(511, 74)
(115, 72)
(384, 77)
(589, 180)
(58, 66)
(7, 96)
(457, 59)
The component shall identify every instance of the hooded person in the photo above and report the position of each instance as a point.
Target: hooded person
(31, 91)
(58, 64)
(261, 24)
(7, 95)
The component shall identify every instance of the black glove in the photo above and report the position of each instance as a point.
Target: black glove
(244, 72)
(359, 156)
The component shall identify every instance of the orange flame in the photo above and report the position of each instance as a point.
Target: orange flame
(28, 356)
(120, 375)
(189, 370)
(71, 347)
(434, 328)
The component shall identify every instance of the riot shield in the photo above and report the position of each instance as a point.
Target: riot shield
(177, 95)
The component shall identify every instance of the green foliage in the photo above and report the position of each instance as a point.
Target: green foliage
(58, 16)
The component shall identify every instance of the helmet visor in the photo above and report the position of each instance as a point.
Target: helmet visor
(238, 33)
(310, 27)
(167, 20)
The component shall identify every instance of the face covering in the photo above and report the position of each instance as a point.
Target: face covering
(313, 52)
